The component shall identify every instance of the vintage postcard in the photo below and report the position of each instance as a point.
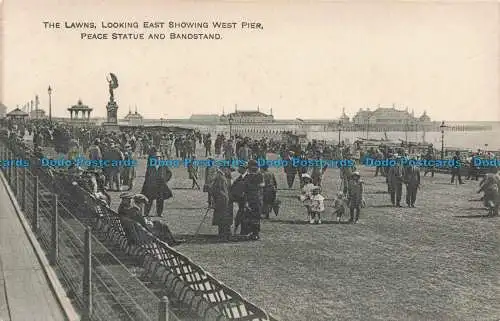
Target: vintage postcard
(249, 160)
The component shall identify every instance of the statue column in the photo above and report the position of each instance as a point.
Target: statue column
(71, 114)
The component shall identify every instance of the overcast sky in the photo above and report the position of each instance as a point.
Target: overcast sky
(311, 58)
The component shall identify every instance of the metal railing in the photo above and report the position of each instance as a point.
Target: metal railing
(97, 283)
(180, 277)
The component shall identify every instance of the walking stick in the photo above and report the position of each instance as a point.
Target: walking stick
(202, 221)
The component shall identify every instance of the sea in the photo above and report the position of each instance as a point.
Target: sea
(485, 140)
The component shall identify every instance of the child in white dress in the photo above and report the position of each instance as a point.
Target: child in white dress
(306, 195)
(317, 205)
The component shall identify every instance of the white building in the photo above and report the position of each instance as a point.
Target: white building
(248, 117)
(388, 116)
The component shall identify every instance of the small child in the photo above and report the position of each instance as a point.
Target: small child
(355, 197)
(306, 195)
(317, 205)
(340, 206)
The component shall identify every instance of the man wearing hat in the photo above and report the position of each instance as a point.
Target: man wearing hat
(223, 207)
(237, 191)
(290, 170)
(395, 182)
(155, 186)
(270, 188)
(253, 200)
(130, 217)
(412, 181)
(94, 151)
(128, 172)
(115, 154)
(210, 171)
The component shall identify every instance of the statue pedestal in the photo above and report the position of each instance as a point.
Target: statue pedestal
(112, 108)
(111, 127)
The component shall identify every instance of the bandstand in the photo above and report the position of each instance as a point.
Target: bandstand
(17, 116)
(80, 113)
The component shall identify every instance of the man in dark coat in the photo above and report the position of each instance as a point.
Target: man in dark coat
(412, 181)
(130, 216)
(290, 170)
(270, 188)
(155, 184)
(253, 200)
(395, 182)
(237, 192)
(429, 156)
(223, 207)
(455, 171)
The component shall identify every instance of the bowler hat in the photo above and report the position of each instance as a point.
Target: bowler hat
(127, 195)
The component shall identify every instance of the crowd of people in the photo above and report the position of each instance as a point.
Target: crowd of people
(252, 188)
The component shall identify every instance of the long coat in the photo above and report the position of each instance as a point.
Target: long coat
(220, 194)
(155, 183)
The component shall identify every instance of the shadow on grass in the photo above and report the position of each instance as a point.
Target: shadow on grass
(209, 238)
(377, 192)
(303, 222)
(473, 216)
(382, 206)
(184, 188)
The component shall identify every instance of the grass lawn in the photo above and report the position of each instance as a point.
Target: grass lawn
(438, 261)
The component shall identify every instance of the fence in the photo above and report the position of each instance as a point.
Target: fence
(95, 280)
(181, 278)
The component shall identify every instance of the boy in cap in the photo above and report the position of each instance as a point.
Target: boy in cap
(339, 206)
(355, 197)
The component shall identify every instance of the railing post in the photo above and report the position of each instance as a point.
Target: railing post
(36, 204)
(163, 312)
(9, 169)
(87, 277)
(18, 188)
(23, 201)
(54, 249)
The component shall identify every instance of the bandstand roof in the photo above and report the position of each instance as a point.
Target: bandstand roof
(17, 112)
(80, 106)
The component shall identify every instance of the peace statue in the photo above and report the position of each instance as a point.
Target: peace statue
(112, 106)
(113, 84)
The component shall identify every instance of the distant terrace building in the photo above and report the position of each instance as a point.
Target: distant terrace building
(389, 117)
(248, 117)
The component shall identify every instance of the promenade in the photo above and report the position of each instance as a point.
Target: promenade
(25, 294)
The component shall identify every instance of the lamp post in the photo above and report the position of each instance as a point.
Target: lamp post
(340, 129)
(36, 109)
(50, 103)
(442, 127)
(230, 120)
(367, 127)
(406, 131)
